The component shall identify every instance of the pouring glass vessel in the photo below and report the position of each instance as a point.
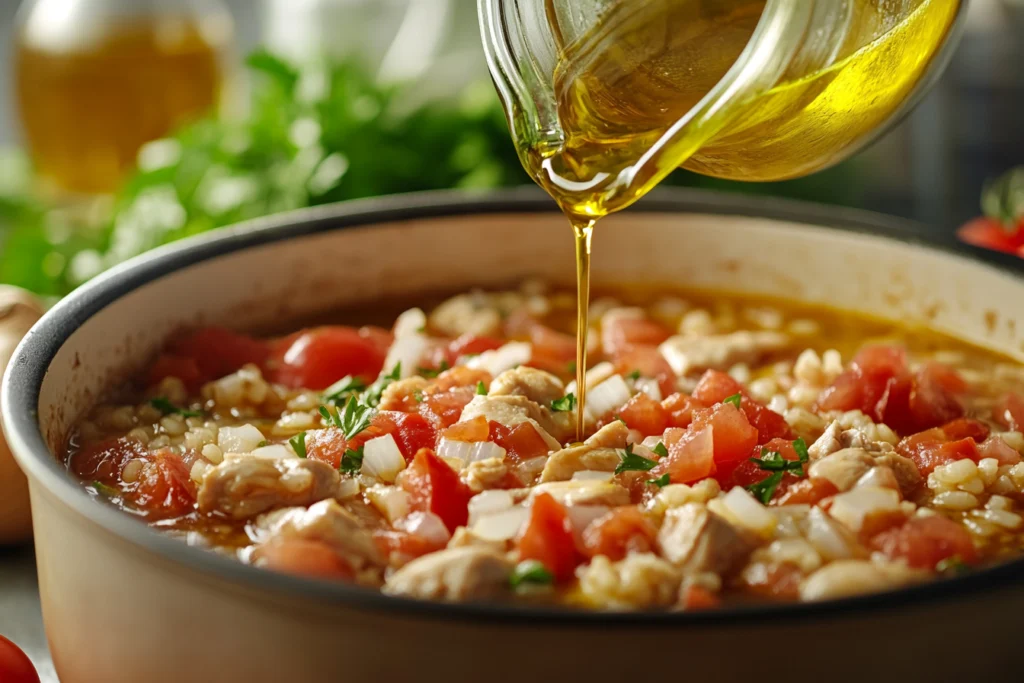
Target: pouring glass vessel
(607, 97)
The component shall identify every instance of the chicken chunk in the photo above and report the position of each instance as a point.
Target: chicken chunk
(481, 475)
(579, 492)
(455, 574)
(720, 352)
(472, 313)
(697, 540)
(596, 453)
(843, 578)
(843, 468)
(907, 475)
(615, 434)
(243, 486)
(326, 521)
(515, 410)
(538, 386)
(463, 538)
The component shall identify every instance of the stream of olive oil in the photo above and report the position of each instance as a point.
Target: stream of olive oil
(623, 85)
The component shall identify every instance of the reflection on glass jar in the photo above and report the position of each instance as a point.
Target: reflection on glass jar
(96, 79)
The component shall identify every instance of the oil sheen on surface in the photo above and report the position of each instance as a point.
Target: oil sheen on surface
(87, 109)
(624, 84)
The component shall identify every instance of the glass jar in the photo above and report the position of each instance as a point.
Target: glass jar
(96, 79)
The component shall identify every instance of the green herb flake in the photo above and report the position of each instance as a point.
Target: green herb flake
(570, 367)
(298, 444)
(660, 450)
(352, 419)
(167, 408)
(631, 462)
(418, 396)
(261, 444)
(566, 404)
(765, 489)
(620, 419)
(530, 572)
(481, 390)
(430, 373)
(635, 375)
(352, 461)
(371, 397)
(735, 399)
(801, 450)
(952, 566)
(105, 490)
(661, 481)
(339, 392)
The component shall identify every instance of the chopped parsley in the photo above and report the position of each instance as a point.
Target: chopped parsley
(565, 404)
(631, 462)
(298, 444)
(352, 419)
(570, 367)
(106, 491)
(620, 419)
(772, 461)
(339, 392)
(430, 373)
(660, 481)
(261, 444)
(481, 390)
(735, 399)
(530, 572)
(635, 375)
(167, 408)
(952, 566)
(352, 461)
(660, 450)
(371, 397)
(418, 396)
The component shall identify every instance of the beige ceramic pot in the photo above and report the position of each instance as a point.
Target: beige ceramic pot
(124, 604)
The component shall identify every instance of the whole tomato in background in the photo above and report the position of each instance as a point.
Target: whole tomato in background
(15, 666)
(1001, 227)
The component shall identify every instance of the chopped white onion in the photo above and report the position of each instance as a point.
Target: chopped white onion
(382, 459)
(469, 451)
(649, 386)
(748, 511)
(408, 351)
(595, 376)
(593, 475)
(827, 537)
(880, 477)
(852, 507)
(410, 323)
(390, 501)
(606, 397)
(505, 358)
(426, 525)
(242, 439)
(581, 516)
(274, 451)
(488, 503)
(348, 487)
(501, 526)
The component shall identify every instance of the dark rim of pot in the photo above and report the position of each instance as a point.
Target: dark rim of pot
(21, 386)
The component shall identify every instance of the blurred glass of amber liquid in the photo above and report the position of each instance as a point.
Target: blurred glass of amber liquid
(97, 79)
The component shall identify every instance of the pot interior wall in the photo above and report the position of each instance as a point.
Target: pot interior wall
(266, 285)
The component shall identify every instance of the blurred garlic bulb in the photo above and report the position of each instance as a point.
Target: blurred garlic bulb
(19, 310)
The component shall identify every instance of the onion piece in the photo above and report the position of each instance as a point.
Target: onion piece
(274, 451)
(426, 525)
(382, 458)
(501, 526)
(852, 507)
(347, 488)
(830, 540)
(410, 323)
(879, 476)
(505, 358)
(648, 386)
(408, 351)
(469, 451)
(488, 503)
(598, 475)
(242, 439)
(747, 511)
(606, 397)
(595, 376)
(582, 516)
(390, 501)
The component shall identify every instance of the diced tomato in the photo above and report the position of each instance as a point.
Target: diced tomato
(716, 386)
(326, 445)
(621, 531)
(965, 428)
(649, 361)
(303, 557)
(15, 666)
(443, 409)
(218, 351)
(990, 233)
(320, 356)
(552, 345)
(933, 396)
(435, 487)
(691, 455)
(103, 461)
(548, 538)
(809, 491)
(621, 334)
(411, 431)
(521, 442)
(409, 546)
(925, 541)
(1010, 412)
(777, 582)
(168, 365)
(469, 344)
(931, 448)
(734, 436)
(745, 472)
(995, 447)
(680, 409)
(164, 487)
(459, 377)
(645, 415)
(473, 430)
(699, 598)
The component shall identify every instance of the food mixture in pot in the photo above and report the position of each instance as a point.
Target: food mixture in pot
(735, 451)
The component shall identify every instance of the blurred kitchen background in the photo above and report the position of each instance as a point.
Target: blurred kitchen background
(267, 105)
